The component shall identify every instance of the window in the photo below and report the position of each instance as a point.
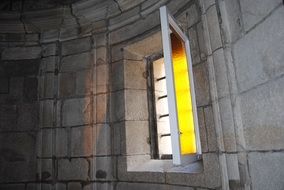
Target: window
(175, 119)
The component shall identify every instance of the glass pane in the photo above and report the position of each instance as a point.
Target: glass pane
(183, 96)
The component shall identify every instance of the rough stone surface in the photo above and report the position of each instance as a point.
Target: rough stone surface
(75, 62)
(257, 59)
(134, 75)
(81, 143)
(76, 112)
(266, 170)
(262, 116)
(76, 46)
(136, 99)
(19, 53)
(255, 11)
(76, 169)
(214, 32)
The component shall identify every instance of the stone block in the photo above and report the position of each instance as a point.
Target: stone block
(46, 113)
(220, 69)
(117, 137)
(263, 117)
(212, 171)
(81, 141)
(19, 53)
(33, 186)
(142, 186)
(136, 138)
(202, 130)
(46, 169)
(214, 28)
(76, 46)
(48, 88)
(20, 68)
(18, 155)
(255, 11)
(258, 55)
(46, 143)
(101, 55)
(4, 85)
(8, 118)
(117, 76)
(135, 75)
(127, 4)
(231, 14)
(266, 170)
(102, 108)
(100, 40)
(102, 78)
(74, 186)
(227, 120)
(75, 169)
(30, 89)
(205, 4)
(49, 36)
(100, 185)
(210, 127)
(232, 167)
(103, 168)
(77, 62)
(61, 138)
(67, 84)
(117, 110)
(49, 49)
(103, 140)
(83, 82)
(60, 186)
(76, 111)
(201, 84)
(12, 186)
(124, 18)
(135, 29)
(194, 47)
(46, 186)
(202, 42)
(48, 64)
(136, 107)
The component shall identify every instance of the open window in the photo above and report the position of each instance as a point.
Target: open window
(175, 113)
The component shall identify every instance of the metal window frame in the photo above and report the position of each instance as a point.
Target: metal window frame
(168, 23)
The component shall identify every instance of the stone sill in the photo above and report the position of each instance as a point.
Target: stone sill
(166, 166)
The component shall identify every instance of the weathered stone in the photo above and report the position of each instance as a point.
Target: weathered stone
(117, 106)
(8, 117)
(127, 4)
(100, 40)
(60, 186)
(201, 84)
(117, 76)
(21, 67)
(27, 118)
(18, 155)
(220, 69)
(76, 169)
(124, 18)
(210, 127)
(103, 168)
(4, 85)
(30, 89)
(257, 60)
(49, 49)
(263, 117)
(102, 109)
(117, 137)
(46, 169)
(18, 53)
(194, 47)
(67, 84)
(135, 29)
(81, 141)
(83, 82)
(136, 99)
(61, 142)
(76, 46)
(201, 42)
(46, 113)
(135, 75)
(76, 112)
(214, 29)
(136, 134)
(102, 78)
(202, 130)
(74, 186)
(193, 15)
(49, 36)
(74, 63)
(103, 139)
(48, 88)
(266, 170)
(101, 55)
(33, 186)
(227, 120)
(255, 11)
(48, 63)
(141, 186)
(12, 187)
(232, 165)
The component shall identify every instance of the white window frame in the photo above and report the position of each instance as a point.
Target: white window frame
(168, 21)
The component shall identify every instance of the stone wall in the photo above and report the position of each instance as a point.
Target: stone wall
(74, 106)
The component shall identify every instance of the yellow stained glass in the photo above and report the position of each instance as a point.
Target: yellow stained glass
(183, 96)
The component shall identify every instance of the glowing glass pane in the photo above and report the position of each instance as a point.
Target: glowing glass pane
(183, 96)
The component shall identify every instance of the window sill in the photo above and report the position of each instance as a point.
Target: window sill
(166, 166)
